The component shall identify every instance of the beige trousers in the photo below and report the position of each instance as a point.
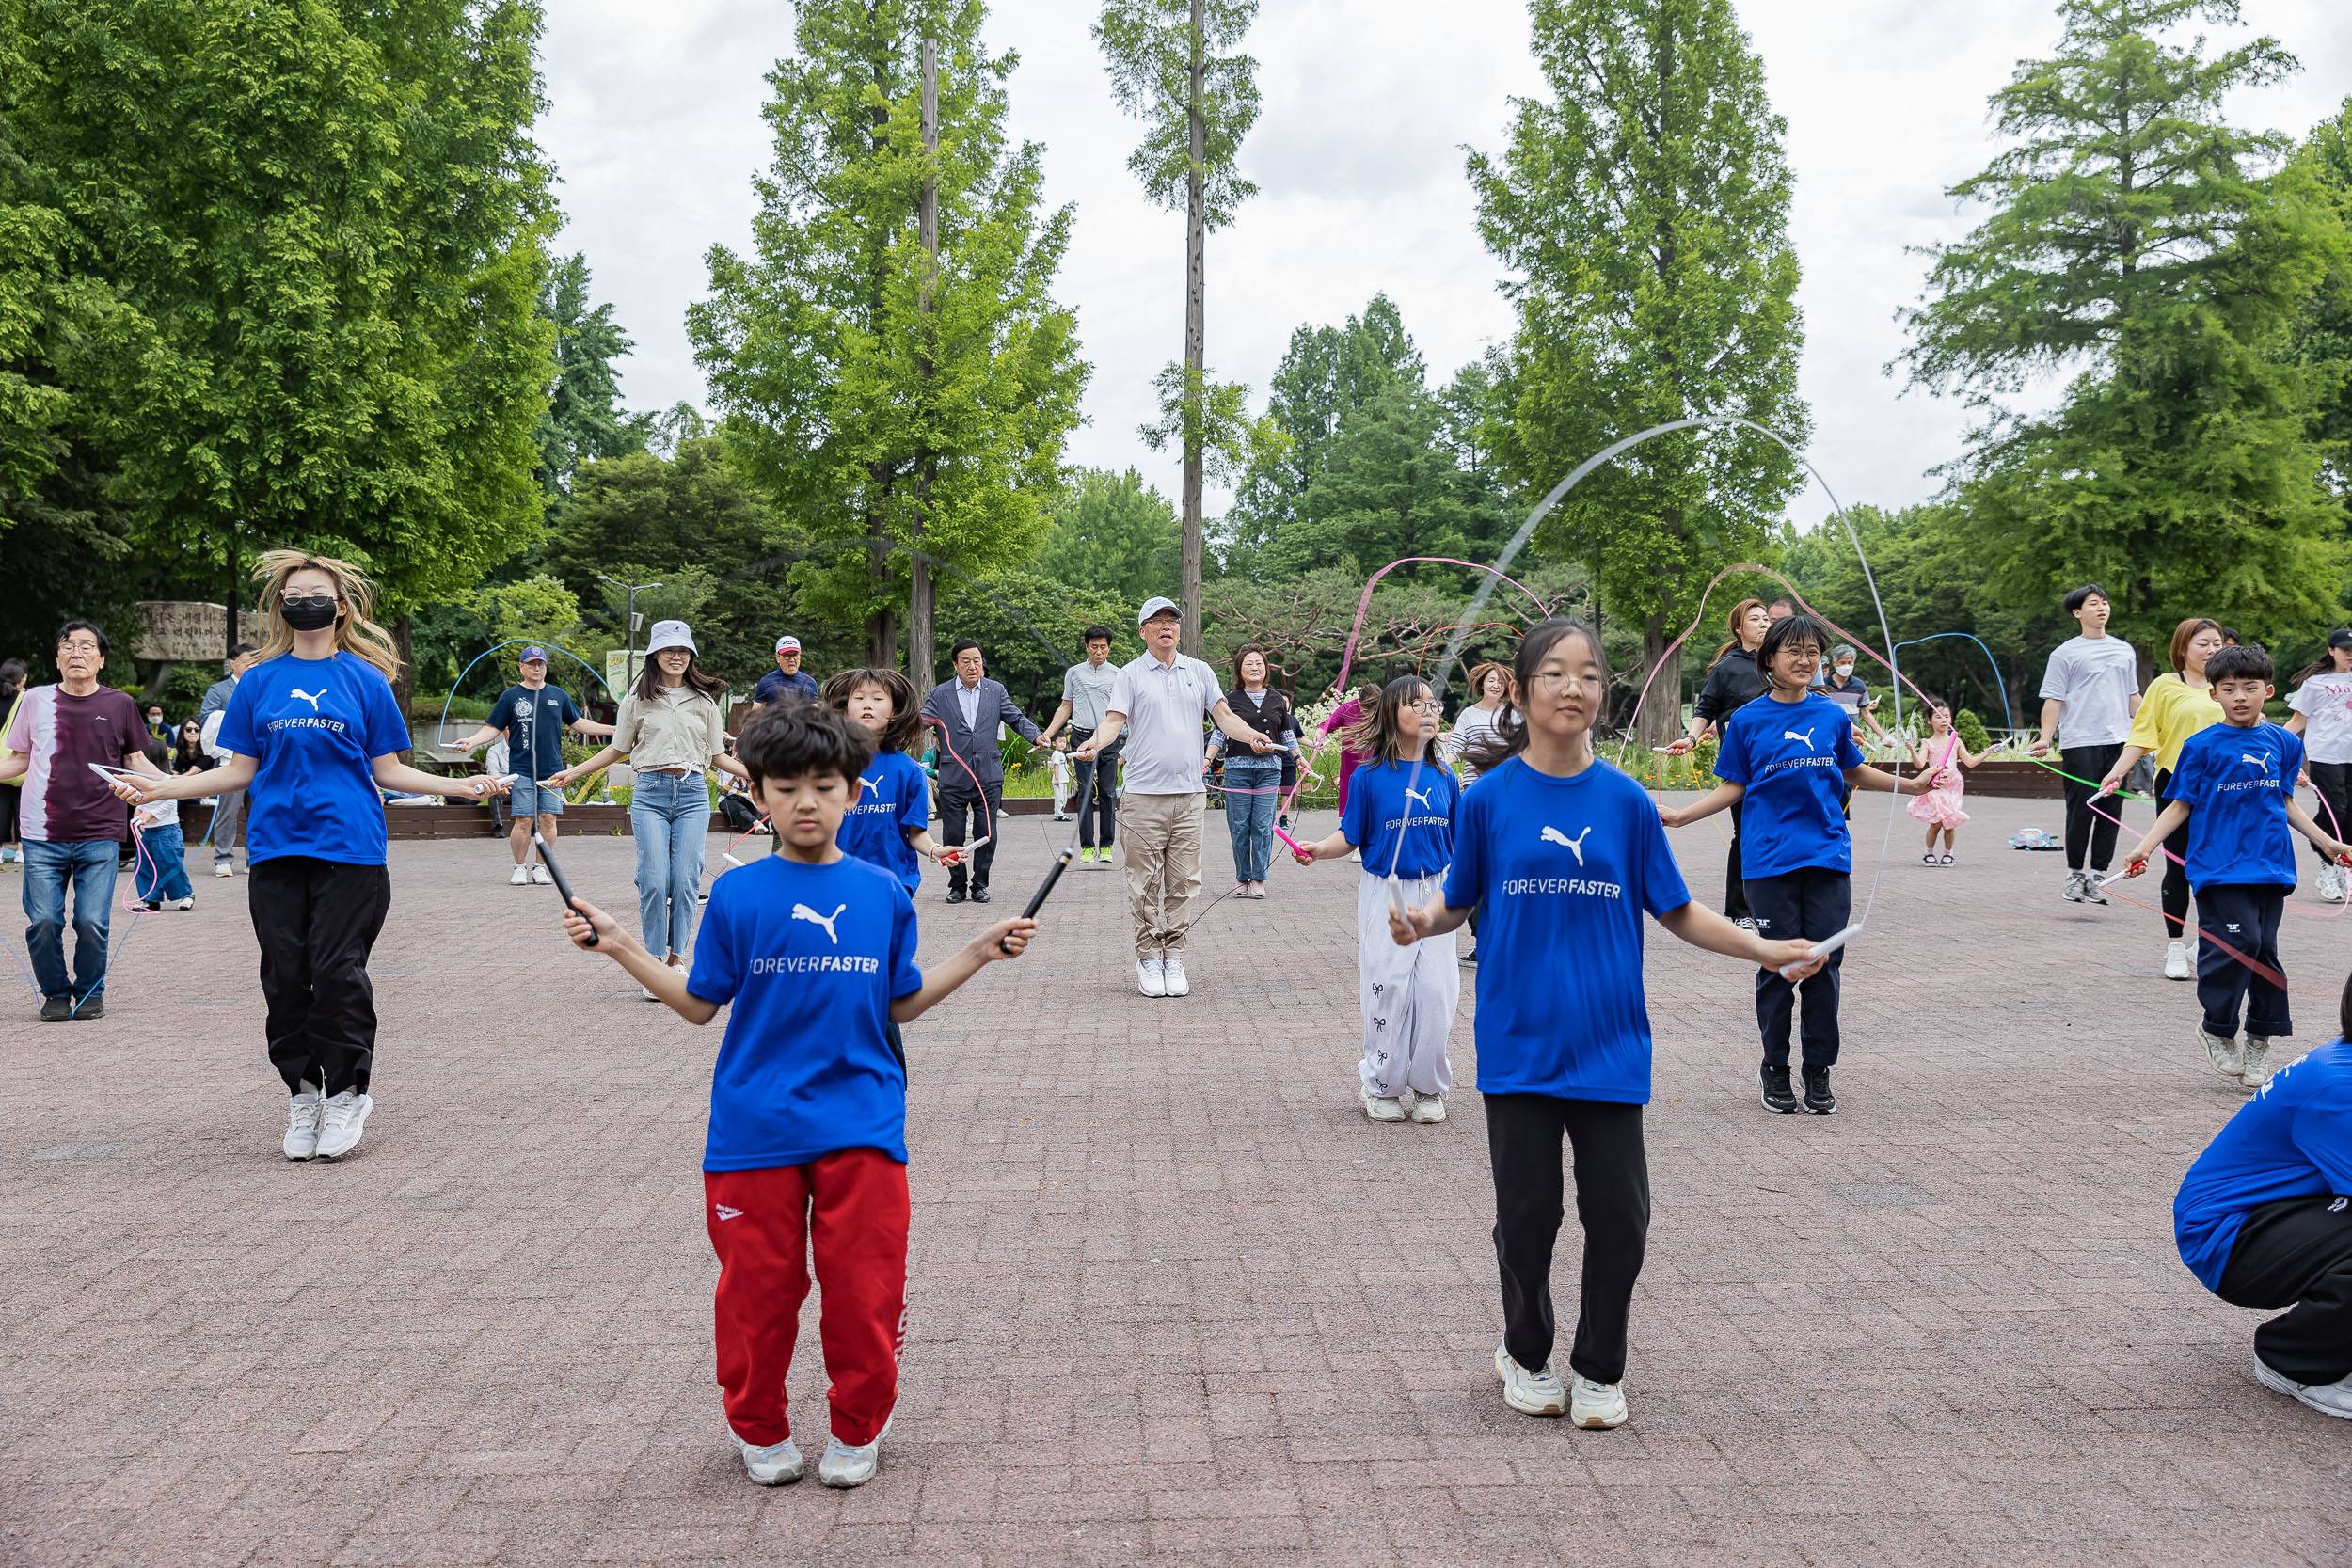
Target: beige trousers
(1161, 834)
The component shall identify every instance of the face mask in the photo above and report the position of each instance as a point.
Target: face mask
(1845, 672)
(311, 615)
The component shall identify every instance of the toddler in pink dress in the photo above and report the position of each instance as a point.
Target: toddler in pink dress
(1939, 808)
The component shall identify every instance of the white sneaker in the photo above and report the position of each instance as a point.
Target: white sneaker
(1355, 857)
(2331, 885)
(1596, 1404)
(522, 876)
(302, 1124)
(2254, 1062)
(1151, 978)
(1428, 1108)
(2092, 893)
(187, 903)
(1172, 978)
(539, 874)
(1380, 1107)
(222, 868)
(339, 1129)
(2221, 1051)
(2072, 890)
(844, 1465)
(646, 991)
(2176, 964)
(1531, 1393)
(2329, 1399)
(777, 1464)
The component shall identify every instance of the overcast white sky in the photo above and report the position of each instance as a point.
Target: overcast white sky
(655, 128)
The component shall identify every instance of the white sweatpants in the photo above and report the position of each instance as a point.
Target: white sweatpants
(1408, 994)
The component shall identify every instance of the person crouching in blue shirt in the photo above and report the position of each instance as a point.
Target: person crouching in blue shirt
(2234, 787)
(1566, 853)
(815, 950)
(1790, 755)
(2264, 1220)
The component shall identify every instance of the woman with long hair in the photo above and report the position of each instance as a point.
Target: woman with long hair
(2322, 705)
(314, 734)
(1252, 780)
(2176, 705)
(1733, 681)
(671, 731)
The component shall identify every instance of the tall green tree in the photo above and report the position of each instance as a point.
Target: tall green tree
(327, 220)
(2323, 331)
(2136, 240)
(886, 396)
(584, 418)
(1111, 532)
(1171, 63)
(1643, 209)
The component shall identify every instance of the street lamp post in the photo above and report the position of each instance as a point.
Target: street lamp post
(628, 650)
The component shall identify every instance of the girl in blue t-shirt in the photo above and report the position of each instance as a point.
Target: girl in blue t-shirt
(889, 822)
(1400, 814)
(1567, 855)
(1788, 756)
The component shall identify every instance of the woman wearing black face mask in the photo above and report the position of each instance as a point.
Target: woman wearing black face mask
(312, 733)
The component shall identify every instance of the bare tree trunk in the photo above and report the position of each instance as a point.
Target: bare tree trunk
(921, 655)
(1195, 333)
(1661, 711)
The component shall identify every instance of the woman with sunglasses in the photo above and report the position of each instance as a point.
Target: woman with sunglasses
(314, 734)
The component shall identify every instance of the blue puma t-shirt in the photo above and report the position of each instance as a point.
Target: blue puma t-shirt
(313, 727)
(1793, 757)
(894, 798)
(2293, 1139)
(2237, 782)
(1378, 815)
(1565, 867)
(810, 957)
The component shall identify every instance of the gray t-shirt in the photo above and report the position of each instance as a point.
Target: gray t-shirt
(1087, 690)
(2096, 678)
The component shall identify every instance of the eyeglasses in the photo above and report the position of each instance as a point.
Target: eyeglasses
(77, 646)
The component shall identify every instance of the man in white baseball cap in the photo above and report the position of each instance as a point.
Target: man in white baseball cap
(1159, 701)
(786, 680)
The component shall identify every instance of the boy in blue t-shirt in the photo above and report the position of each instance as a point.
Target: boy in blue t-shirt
(2264, 1220)
(2234, 787)
(815, 951)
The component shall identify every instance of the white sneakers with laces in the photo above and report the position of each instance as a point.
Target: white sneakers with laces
(2222, 1052)
(2329, 1399)
(1172, 978)
(2253, 1068)
(1529, 1393)
(539, 874)
(777, 1464)
(302, 1124)
(222, 868)
(1151, 978)
(522, 876)
(1599, 1405)
(844, 1467)
(1380, 1107)
(340, 1127)
(1428, 1108)
(2176, 964)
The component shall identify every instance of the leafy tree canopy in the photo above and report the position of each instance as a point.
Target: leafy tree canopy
(1113, 533)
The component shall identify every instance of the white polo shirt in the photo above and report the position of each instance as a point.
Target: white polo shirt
(1165, 704)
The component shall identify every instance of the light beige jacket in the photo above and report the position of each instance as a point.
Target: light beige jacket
(661, 733)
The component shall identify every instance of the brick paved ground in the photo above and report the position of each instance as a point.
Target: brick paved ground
(1173, 1297)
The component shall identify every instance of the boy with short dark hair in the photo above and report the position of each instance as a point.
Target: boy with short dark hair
(816, 952)
(2234, 787)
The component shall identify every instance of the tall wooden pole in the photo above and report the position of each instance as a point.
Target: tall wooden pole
(1196, 330)
(920, 651)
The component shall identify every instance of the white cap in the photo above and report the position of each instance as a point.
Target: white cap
(670, 634)
(1153, 605)
(787, 643)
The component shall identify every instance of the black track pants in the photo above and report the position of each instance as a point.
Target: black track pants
(2298, 1253)
(1808, 902)
(2087, 832)
(1523, 1134)
(316, 921)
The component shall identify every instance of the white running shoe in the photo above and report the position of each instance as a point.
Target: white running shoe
(2092, 892)
(539, 874)
(2221, 1051)
(2329, 1399)
(2072, 890)
(777, 1464)
(1529, 1393)
(1151, 978)
(646, 991)
(1172, 978)
(1428, 1108)
(2332, 884)
(2176, 964)
(844, 1465)
(1380, 1107)
(222, 868)
(1596, 1404)
(187, 903)
(2254, 1061)
(339, 1129)
(302, 1124)
(522, 876)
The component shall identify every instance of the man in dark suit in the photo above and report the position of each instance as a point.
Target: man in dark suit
(971, 773)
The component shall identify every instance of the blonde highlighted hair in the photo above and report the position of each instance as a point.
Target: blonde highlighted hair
(355, 633)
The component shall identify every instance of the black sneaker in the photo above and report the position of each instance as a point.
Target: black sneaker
(979, 896)
(55, 1009)
(954, 895)
(1817, 1099)
(92, 1005)
(1470, 957)
(1777, 1095)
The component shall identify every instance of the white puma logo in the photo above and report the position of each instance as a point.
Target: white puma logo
(1416, 795)
(308, 697)
(727, 1213)
(1576, 845)
(1806, 739)
(802, 911)
(864, 783)
(2263, 762)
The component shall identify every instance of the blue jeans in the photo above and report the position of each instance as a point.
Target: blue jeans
(88, 865)
(1250, 818)
(669, 814)
(161, 870)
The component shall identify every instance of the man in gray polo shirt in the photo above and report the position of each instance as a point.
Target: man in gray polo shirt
(1159, 701)
(1086, 696)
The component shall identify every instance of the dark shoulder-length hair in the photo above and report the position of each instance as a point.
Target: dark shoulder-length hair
(648, 685)
(1508, 737)
(906, 719)
(1378, 733)
(1732, 624)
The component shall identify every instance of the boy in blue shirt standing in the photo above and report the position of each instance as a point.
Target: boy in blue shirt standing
(2265, 1219)
(815, 951)
(2234, 787)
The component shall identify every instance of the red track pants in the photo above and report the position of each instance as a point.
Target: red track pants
(852, 1205)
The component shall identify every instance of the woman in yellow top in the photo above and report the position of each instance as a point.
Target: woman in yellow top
(2175, 707)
